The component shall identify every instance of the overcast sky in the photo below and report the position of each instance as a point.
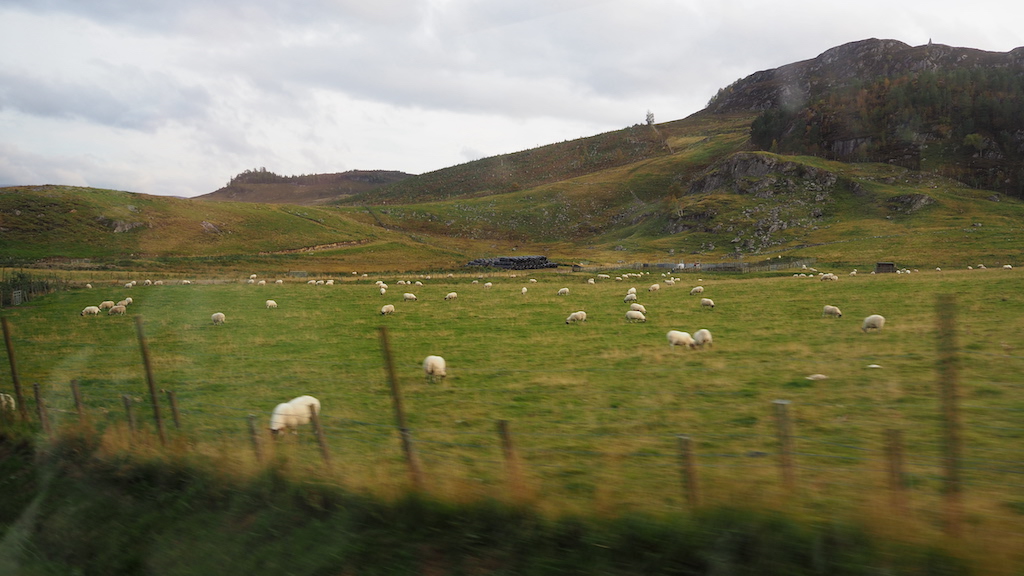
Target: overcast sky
(175, 97)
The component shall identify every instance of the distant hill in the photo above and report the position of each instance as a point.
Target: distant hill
(270, 188)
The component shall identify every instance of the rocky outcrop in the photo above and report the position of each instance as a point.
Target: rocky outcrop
(762, 175)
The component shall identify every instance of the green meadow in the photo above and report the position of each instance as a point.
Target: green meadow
(594, 408)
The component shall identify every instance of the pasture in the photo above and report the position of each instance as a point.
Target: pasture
(594, 408)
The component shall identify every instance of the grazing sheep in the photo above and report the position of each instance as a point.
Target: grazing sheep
(271, 304)
(635, 316)
(434, 367)
(1007, 267)
(702, 338)
(523, 291)
(329, 283)
(451, 296)
(129, 285)
(292, 414)
(696, 290)
(123, 303)
(383, 290)
(563, 291)
(590, 281)
(653, 288)
(158, 283)
(218, 318)
(311, 282)
(279, 281)
(629, 298)
(89, 286)
(117, 310)
(106, 305)
(250, 281)
(533, 280)
(874, 321)
(488, 284)
(252, 276)
(829, 277)
(638, 307)
(7, 403)
(129, 300)
(831, 311)
(707, 303)
(579, 316)
(186, 282)
(387, 309)
(319, 282)
(409, 296)
(261, 283)
(677, 338)
(90, 311)
(631, 291)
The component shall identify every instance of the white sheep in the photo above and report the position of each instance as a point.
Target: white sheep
(629, 298)
(451, 296)
(292, 414)
(311, 282)
(434, 367)
(129, 300)
(106, 305)
(329, 283)
(271, 304)
(387, 309)
(829, 277)
(653, 288)
(218, 318)
(122, 303)
(90, 311)
(696, 290)
(638, 307)
(89, 286)
(677, 338)
(563, 291)
(7, 403)
(252, 276)
(702, 338)
(129, 284)
(250, 281)
(631, 291)
(874, 321)
(117, 310)
(186, 282)
(278, 281)
(261, 283)
(635, 316)
(523, 291)
(533, 280)
(1007, 267)
(829, 310)
(707, 303)
(158, 283)
(409, 297)
(383, 290)
(590, 281)
(579, 316)
(488, 284)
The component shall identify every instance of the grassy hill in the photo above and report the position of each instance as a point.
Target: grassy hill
(308, 189)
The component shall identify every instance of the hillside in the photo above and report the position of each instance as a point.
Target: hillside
(270, 188)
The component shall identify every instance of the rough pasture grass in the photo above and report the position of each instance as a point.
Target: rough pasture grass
(594, 407)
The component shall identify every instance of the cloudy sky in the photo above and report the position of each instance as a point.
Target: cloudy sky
(175, 97)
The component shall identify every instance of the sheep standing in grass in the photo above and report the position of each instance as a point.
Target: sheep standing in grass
(638, 307)
(387, 309)
(579, 316)
(523, 291)
(635, 316)
(271, 304)
(563, 291)
(7, 403)
(696, 290)
(117, 311)
(654, 288)
(409, 297)
(90, 311)
(702, 338)
(451, 296)
(631, 291)
(707, 303)
(831, 311)
(629, 298)
(874, 322)
(218, 318)
(106, 305)
(292, 414)
(434, 367)
(677, 338)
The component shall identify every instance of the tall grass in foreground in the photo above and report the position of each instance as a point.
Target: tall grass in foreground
(594, 408)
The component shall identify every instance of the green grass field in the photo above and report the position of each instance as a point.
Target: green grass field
(594, 408)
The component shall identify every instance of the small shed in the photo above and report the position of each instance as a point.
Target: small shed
(883, 267)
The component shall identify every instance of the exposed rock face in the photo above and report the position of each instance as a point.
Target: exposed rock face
(909, 203)
(208, 227)
(761, 175)
(118, 225)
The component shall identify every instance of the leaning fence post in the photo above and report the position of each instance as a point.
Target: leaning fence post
(149, 379)
(77, 395)
(315, 418)
(396, 395)
(131, 416)
(15, 381)
(44, 421)
(256, 447)
(689, 464)
(945, 309)
(172, 398)
(785, 432)
(512, 470)
(894, 455)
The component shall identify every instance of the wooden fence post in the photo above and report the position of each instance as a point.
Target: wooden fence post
(19, 397)
(172, 399)
(894, 456)
(149, 379)
(315, 419)
(688, 460)
(785, 432)
(948, 376)
(255, 438)
(44, 420)
(77, 395)
(128, 412)
(513, 472)
(415, 474)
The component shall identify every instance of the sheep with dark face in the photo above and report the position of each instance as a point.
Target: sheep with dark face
(829, 310)
(678, 338)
